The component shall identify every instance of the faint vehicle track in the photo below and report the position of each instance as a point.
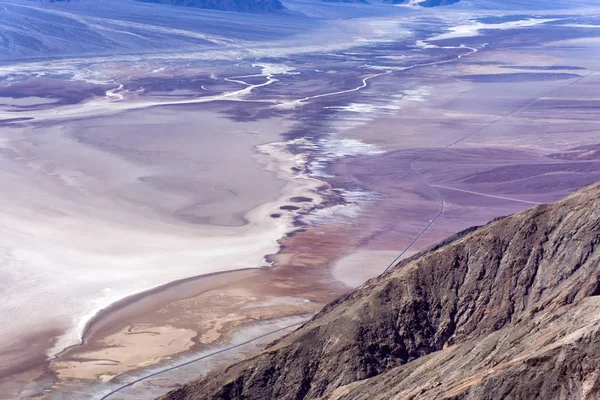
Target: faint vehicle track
(477, 131)
(487, 195)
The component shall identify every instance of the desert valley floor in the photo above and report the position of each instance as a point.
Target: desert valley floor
(161, 207)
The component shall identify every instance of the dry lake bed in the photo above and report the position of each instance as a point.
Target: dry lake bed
(158, 208)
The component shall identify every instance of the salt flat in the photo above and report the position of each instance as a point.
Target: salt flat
(85, 226)
(129, 179)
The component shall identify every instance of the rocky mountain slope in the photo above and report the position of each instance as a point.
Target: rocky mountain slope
(254, 6)
(510, 310)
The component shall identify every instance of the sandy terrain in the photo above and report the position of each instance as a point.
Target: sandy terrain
(357, 268)
(198, 314)
(160, 342)
(123, 215)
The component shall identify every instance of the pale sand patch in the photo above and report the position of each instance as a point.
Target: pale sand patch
(357, 268)
(158, 385)
(157, 342)
(216, 307)
(210, 318)
(141, 307)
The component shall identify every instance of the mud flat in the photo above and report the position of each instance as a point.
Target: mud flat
(259, 215)
(128, 206)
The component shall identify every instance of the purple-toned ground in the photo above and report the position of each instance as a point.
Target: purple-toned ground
(321, 168)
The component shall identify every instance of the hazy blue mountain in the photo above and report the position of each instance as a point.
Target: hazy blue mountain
(434, 3)
(254, 6)
(36, 29)
(423, 3)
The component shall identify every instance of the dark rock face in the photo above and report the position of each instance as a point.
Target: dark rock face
(510, 310)
(253, 6)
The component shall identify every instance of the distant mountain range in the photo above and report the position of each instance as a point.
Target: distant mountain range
(265, 6)
(422, 3)
(261, 6)
(510, 310)
(252, 6)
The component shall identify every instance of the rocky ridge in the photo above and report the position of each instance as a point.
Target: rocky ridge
(509, 310)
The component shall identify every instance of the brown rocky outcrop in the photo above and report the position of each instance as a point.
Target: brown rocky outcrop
(510, 310)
